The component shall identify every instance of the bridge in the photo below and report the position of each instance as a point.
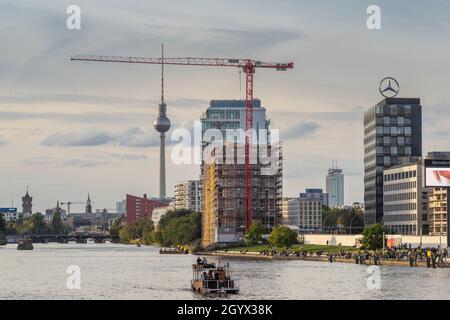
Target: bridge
(63, 238)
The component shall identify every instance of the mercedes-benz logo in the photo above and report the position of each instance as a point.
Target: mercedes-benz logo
(389, 87)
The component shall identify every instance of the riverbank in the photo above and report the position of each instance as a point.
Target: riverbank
(315, 258)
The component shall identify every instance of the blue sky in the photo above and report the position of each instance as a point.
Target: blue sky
(68, 128)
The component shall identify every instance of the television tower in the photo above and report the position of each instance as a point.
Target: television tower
(162, 125)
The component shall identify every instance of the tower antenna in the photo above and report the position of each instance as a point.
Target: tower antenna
(162, 72)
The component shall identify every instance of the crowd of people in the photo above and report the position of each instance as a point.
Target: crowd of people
(433, 257)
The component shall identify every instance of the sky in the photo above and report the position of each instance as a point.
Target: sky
(72, 128)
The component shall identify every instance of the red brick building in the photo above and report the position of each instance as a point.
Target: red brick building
(137, 207)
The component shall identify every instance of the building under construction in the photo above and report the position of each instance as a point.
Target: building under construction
(223, 174)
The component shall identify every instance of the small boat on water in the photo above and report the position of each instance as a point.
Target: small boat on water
(25, 244)
(172, 251)
(212, 279)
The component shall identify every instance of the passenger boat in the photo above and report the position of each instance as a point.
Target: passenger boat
(25, 244)
(212, 279)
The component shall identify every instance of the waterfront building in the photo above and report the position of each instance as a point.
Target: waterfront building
(223, 183)
(303, 213)
(97, 222)
(392, 136)
(140, 207)
(188, 195)
(158, 213)
(48, 216)
(405, 200)
(27, 205)
(335, 188)
(438, 201)
(10, 214)
(315, 194)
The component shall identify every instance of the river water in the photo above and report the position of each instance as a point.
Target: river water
(111, 271)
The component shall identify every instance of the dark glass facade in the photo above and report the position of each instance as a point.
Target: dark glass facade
(392, 136)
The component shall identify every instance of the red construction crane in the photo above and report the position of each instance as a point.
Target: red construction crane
(247, 65)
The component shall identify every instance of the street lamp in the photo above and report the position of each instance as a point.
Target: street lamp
(351, 221)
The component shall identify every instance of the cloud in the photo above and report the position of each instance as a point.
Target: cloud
(83, 163)
(300, 129)
(78, 139)
(136, 137)
(128, 156)
(132, 137)
(3, 141)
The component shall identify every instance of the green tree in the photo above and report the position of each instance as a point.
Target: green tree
(178, 227)
(373, 237)
(36, 224)
(254, 233)
(282, 236)
(128, 233)
(57, 224)
(115, 229)
(2, 224)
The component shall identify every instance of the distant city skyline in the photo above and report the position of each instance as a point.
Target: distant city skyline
(68, 129)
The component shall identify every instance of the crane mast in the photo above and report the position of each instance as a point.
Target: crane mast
(249, 67)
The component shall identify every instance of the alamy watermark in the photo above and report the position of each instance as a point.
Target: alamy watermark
(73, 22)
(74, 279)
(374, 19)
(215, 146)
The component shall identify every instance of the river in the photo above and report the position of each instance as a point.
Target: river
(111, 271)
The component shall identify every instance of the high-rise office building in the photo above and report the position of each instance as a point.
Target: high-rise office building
(392, 136)
(223, 182)
(335, 187)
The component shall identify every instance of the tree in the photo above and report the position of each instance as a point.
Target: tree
(254, 234)
(373, 237)
(115, 229)
(128, 233)
(57, 225)
(2, 224)
(178, 227)
(35, 224)
(282, 237)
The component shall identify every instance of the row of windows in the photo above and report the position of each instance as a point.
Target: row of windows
(400, 175)
(400, 196)
(224, 114)
(394, 121)
(400, 207)
(394, 110)
(399, 217)
(400, 186)
(394, 131)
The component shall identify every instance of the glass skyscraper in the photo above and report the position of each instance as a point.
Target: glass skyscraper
(335, 188)
(392, 136)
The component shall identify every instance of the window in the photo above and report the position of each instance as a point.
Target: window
(408, 131)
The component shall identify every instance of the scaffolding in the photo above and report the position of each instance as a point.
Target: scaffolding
(224, 195)
(208, 217)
